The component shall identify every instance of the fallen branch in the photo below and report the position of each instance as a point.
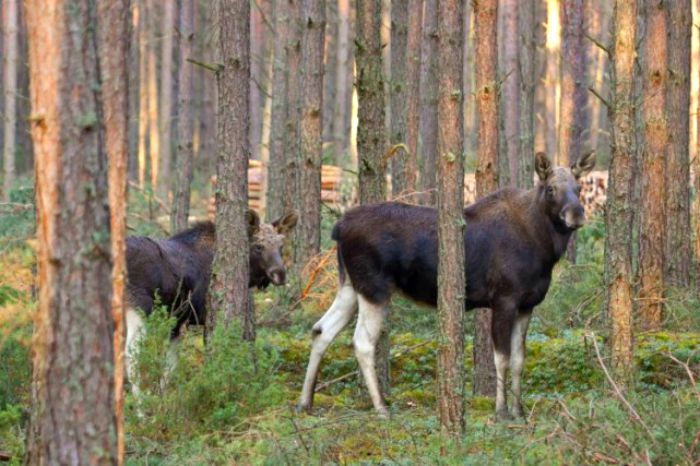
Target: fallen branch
(689, 372)
(618, 392)
(325, 385)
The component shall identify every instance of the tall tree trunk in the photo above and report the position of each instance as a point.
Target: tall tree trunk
(528, 83)
(10, 46)
(468, 79)
(511, 86)
(371, 139)
(553, 90)
(228, 296)
(653, 183)
(428, 102)
(342, 122)
(166, 100)
(599, 64)
(573, 105)
(73, 419)
(152, 90)
(677, 252)
(133, 65)
(257, 51)
(397, 85)
(412, 106)
(183, 178)
(276, 168)
(618, 247)
(143, 92)
(311, 142)
(451, 276)
(291, 191)
(486, 95)
(330, 52)
(113, 52)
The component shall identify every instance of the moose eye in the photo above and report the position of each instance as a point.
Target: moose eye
(550, 190)
(258, 248)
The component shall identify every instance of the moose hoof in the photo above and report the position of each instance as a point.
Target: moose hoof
(383, 413)
(303, 408)
(518, 412)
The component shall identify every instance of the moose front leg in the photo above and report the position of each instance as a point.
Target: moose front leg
(517, 359)
(502, 322)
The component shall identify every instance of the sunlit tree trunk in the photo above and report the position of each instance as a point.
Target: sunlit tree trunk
(9, 65)
(398, 94)
(528, 83)
(510, 93)
(618, 247)
(133, 75)
(486, 96)
(166, 92)
(451, 276)
(143, 92)
(428, 128)
(311, 142)
(73, 390)
(653, 183)
(152, 90)
(552, 88)
(184, 170)
(677, 252)
(228, 296)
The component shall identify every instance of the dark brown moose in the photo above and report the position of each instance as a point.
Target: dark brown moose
(176, 272)
(512, 238)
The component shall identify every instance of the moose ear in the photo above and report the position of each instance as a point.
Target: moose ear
(284, 224)
(543, 166)
(583, 165)
(253, 220)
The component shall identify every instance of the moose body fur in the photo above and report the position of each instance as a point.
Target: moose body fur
(513, 239)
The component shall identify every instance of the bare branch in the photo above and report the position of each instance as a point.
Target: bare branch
(598, 44)
(605, 102)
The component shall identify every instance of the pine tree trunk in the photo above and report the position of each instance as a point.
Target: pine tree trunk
(397, 85)
(134, 88)
(166, 92)
(73, 391)
(653, 183)
(677, 252)
(618, 247)
(599, 64)
(311, 142)
(143, 93)
(152, 90)
(552, 88)
(428, 103)
(183, 177)
(228, 296)
(291, 144)
(344, 88)
(486, 95)
(9, 64)
(528, 83)
(371, 140)
(412, 105)
(330, 60)
(510, 93)
(278, 155)
(451, 276)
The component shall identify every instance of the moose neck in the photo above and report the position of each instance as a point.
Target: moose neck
(554, 235)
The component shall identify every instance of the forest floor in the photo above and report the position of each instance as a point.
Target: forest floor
(236, 405)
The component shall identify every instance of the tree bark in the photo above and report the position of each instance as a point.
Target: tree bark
(342, 123)
(73, 391)
(10, 46)
(528, 84)
(228, 296)
(277, 164)
(486, 95)
(552, 85)
(371, 138)
(183, 178)
(451, 275)
(428, 102)
(143, 92)
(412, 105)
(166, 100)
(510, 94)
(618, 247)
(311, 142)
(677, 252)
(291, 144)
(653, 183)
(152, 90)
(330, 60)
(400, 174)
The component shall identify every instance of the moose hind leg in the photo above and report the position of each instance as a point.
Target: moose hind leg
(324, 332)
(517, 359)
(503, 317)
(369, 325)
(134, 328)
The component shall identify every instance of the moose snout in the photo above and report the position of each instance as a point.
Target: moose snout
(277, 275)
(573, 217)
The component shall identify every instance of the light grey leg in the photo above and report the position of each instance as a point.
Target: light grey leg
(369, 326)
(517, 358)
(324, 332)
(134, 330)
(500, 360)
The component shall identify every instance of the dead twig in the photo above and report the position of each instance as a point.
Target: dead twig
(689, 372)
(618, 392)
